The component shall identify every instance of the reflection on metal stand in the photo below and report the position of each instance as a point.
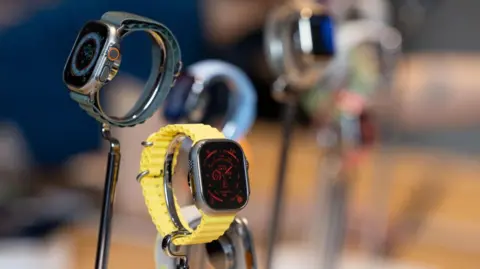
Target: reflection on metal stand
(111, 178)
(234, 250)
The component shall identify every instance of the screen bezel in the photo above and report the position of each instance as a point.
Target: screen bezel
(198, 192)
(99, 61)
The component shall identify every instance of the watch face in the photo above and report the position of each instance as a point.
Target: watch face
(224, 175)
(86, 51)
(321, 27)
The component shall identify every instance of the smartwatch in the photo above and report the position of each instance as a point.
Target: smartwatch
(95, 60)
(299, 38)
(375, 40)
(193, 98)
(218, 180)
(367, 53)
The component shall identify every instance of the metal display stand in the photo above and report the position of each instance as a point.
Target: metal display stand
(343, 135)
(111, 179)
(335, 140)
(234, 250)
(288, 123)
(293, 57)
(333, 193)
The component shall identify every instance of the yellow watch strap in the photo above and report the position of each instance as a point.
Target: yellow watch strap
(152, 160)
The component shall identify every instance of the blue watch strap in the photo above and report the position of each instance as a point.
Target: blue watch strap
(243, 97)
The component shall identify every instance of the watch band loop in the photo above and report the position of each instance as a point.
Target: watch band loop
(242, 101)
(166, 64)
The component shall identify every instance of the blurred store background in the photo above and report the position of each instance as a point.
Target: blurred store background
(52, 158)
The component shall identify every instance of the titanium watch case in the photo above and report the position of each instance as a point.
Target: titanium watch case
(102, 61)
(196, 180)
(166, 65)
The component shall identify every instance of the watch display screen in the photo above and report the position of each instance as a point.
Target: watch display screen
(224, 175)
(321, 27)
(86, 51)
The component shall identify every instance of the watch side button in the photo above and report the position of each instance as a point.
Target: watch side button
(104, 74)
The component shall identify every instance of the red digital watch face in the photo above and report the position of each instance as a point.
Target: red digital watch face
(224, 175)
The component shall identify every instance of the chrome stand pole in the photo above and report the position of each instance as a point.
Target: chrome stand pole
(333, 197)
(287, 130)
(111, 179)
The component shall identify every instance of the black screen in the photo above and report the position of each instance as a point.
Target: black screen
(87, 48)
(224, 175)
(322, 35)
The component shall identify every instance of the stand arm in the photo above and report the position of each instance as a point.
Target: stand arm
(287, 130)
(111, 178)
